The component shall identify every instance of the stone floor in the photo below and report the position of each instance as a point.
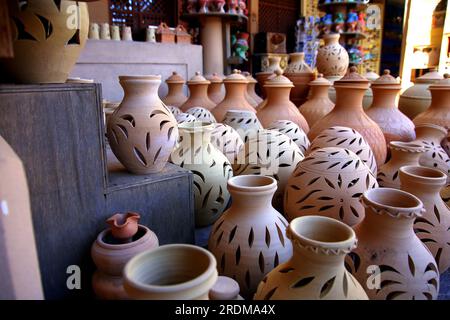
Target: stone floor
(444, 292)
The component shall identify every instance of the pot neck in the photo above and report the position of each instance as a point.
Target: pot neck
(349, 99)
(198, 91)
(319, 92)
(251, 88)
(278, 95)
(175, 89)
(405, 157)
(235, 90)
(440, 99)
(385, 98)
(252, 199)
(140, 88)
(430, 134)
(384, 226)
(215, 88)
(420, 182)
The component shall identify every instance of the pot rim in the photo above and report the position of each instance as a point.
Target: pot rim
(243, 183)
(121, 246)
(139, 77)
(406, 146)
(419, 174)
(195, 126)
(432, 126)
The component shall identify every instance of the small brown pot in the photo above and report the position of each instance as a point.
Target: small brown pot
(216, 92)
(198, 94)
(175, 97)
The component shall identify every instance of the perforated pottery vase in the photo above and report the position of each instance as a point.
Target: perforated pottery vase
(245, 123)
(227, 140)
(390, 261)
(142, 132)
(293, 131)
(332, 58)
(249, 240)
(316, 269)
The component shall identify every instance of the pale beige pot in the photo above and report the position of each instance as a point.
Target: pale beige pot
(246, 123)
(227, 140)
(402, 154)
(225, 288)
(300, 74)
(269, 153)
(185, 117)
(175, 96)
(278, 105)
(348, 138)
(202, 114)
(210, 167)
(329, 182)
(251, 94)
(110, 257)
(236, 87)
(417, 98)
(293, 131)
(332, 58)
(249, 240)
(175, 111)
(49, 46)
(387, 244)
(318, 104)
(142, 132)
(384, 111)
(171, 272)
(198, 94)
(434, 225)
(316, 269)
(216, 92)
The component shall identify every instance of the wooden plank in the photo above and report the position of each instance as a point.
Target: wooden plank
(6, 41)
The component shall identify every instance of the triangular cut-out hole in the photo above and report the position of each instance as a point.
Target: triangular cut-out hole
(21, 33)
(75, 40)
(58, 4)
(48, 27)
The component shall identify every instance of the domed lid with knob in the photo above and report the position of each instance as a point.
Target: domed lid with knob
(214, 78)
(320, 81)
(430, 77)
(198, 79)
(386, 80)
(371, 76)
(175, 78)
(278, 80)
(249, 77)
(352, 79)
(443, 84)
(235, 77)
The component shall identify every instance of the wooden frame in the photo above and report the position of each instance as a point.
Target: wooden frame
(6, 41)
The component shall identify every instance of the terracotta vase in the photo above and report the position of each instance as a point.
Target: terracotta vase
(348, 112)
(384, 111)
(318, 104)
(438, 112)
(244, 122)
(402, 154)
(171, 272)
(348, 138)
(249, 240)
(185, 117)
(269, 153)
(251, 95)
(328, 182)
(316, 269)
(216, 92)
(198, 94)
(332, 58)
(235, 86)
(390, 261)
(110, 255)
(225, 288)
(293, 131)
(434, 225)
(201, 114)
(300, 74)
(263, 76)
(278, 105)
(417, 98)
(210, 167)
(124, 225)
(175, 97)
(227, 140)
(142, 132)
(48, 37)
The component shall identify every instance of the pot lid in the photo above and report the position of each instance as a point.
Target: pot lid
(441, 84)
(429, 77)
(278, 80)
(235, 77)
(249, 77)
(352, 78)
(371, 76)
(175, 78)
(198, 79)
(320, 81)
(386, 80)
(214, 78)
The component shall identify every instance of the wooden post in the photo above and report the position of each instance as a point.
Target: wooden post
(6, 43)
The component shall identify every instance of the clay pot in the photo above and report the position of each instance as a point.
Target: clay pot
(384, 111)
(110, 257)
(316, 269)
(269, 153)
(388, 246)
(318, 104)
(185, 117)
(417, 98)
(171, 272)
(198, 89)
(94, 31)
(293, 131)
(175, 97)
(48, 39)
(328, 182)
(124, 225)
(438, 112)
(262, 77)
(236, 86)
(142, 132)
(300, 74)
(251, 95)
(278, 106)
(175, 111)
(368, 96)
(216, 93)
(348, 112)
(126, 34)
(105, 31)
(244, 122)
(434, 225)
(227, 140)
(202, 114)
(225, 289)
(210, 167)
(115, 33)
(249, 240)
(332, 58)
(402, 154)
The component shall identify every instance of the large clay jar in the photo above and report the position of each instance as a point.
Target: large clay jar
(171, 272)
(227, 140)
(198, 94)
(274, 66)
(110, 256)
(251, 95)
(348, 138)
(236, 87)
(434, 225)
(417, 98)
(278, 105)
(316, 270)
(244, 122)
(301, 75)
(402, 154)
(329, 182)
(293, 131)
(390, 261)
(175, 96)
(332, 58)
(216, 93)
(142, 132)
(269, 153)
(438, 112)
(348, 112)
(210, 167)
(249, 240)
(48, 39)
(384, 111)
